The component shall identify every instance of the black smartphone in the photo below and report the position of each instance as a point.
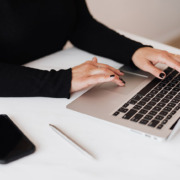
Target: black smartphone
(13, 143)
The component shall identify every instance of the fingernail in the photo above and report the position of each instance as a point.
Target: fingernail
(122, 80)
(112, 75)
(162, 75)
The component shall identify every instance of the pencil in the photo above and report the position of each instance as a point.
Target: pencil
(72, 142)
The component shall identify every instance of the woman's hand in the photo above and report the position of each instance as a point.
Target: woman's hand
(91, 73)
(146, 58)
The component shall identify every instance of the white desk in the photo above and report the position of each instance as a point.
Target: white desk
(120, 154)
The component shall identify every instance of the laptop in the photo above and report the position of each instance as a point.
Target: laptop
(145, 105)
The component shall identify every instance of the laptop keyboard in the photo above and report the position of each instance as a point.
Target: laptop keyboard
(156, 103)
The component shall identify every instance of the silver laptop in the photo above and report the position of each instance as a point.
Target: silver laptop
(146, 105)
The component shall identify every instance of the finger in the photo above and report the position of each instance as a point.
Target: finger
(116, 71)
(175, 56)
(167, 59)
(149, 67)
(94, 59)
(118, 80)
(100, 78)
(102, 70)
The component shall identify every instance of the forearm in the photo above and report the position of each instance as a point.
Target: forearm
(20, 81)
(99, 39)
(92, 36)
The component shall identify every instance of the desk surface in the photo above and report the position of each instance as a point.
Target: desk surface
(120, 153)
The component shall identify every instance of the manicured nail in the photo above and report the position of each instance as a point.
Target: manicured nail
(162, 75)
(122, 80)
(112, 75)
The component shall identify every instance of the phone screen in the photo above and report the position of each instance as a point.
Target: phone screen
(13, 143)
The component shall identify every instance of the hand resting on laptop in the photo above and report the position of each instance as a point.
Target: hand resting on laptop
(145, 58)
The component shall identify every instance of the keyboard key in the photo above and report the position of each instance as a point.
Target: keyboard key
(143, 111)
(123, 110)
(167, 88)
(175, 89)
(156, 108)
(173, 93)
(162, 84)
(150, 95)
(129, 114)
(136, 118)
(148, 117)
(173, 112)
(141, 103)
(177, 78)
(169, 96)
(161, 104)
(152, 103)
(154, 92)
(163, 113)
(147, 107)
(153, 123)
(166, 81)
(158, 117)
(174, 81)
(116, 113)
(146, 99)
(137, 97)
(171, 84)
(138, 107)
(158, 88)
(175, 100)
(177, 96)
(177, 108)
(169, 78)
(168, 70)
(125, 105)
(160, 126)
(149, 86)
(131, 101)
(173, 74)
(167, 108)
(178, 85)
(153, 113)
(156, 99)
(169, 117)
(159, 95)
(143, 121)
(164, 100)
(164, 121)
(171, 105)
(163, 92)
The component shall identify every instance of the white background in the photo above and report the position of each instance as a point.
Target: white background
(155, 19)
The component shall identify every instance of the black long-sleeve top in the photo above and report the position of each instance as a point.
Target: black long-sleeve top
(30, 29)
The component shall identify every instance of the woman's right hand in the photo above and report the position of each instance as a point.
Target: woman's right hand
(91, 73)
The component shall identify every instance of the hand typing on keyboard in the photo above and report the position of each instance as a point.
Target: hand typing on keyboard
(146, 58)
(156, 103)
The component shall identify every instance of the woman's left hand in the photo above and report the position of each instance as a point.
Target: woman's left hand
(146, 58)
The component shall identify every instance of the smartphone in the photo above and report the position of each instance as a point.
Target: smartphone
(13, 143)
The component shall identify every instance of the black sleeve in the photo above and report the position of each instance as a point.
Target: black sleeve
(94, 37)
(20, 81)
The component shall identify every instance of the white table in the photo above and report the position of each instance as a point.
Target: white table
(120, 154)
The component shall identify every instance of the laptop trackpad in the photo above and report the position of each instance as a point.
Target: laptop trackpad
(132, 82)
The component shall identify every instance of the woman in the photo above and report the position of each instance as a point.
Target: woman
(30, 29)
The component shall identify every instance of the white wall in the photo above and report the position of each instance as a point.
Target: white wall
(154, 19)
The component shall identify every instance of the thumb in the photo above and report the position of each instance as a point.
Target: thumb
(154, 70)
